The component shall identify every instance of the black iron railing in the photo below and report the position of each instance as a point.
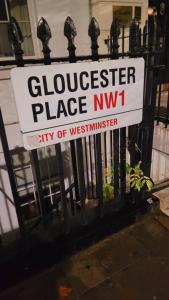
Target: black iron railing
(91, 155)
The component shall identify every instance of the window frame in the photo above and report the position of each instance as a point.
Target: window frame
(33, 23)
(130, 4)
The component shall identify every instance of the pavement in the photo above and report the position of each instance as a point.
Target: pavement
(132, 264)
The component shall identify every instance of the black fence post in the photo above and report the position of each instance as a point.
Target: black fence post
(133, 131)
(149, 98)
(114, 46)
(115, 33)
(94, 32)
(44, 34)
(134, 47)
(76, 152)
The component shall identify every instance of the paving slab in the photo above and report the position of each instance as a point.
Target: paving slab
(163, 196)
(153, 236)
(132, 264)
(147, 279)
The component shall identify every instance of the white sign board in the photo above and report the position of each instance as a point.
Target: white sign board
(62, 102)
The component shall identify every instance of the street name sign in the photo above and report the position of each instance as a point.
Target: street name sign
(62, 102)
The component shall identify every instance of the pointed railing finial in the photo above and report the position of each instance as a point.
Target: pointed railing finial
(16, 38)
(134, 39)
(44, 34)
(114, 36)
(94, 32)
(145, 35)
(70, 33)
(152, 24)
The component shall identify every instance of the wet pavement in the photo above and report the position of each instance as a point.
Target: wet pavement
(132, 264)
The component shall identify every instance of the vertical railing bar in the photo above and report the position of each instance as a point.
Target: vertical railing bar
(78, 169)
(74, 167)
(82, 188)
(151, 125)
(94, 32)
(114, 35)
(42, 205)
(87, 169)
(72, 204)
(167, 111)
(105, 154)
(123, 147)
(116, 162)
(70, 33)
(146, 96)
(62, 186)
(32, 176)
(123, 27)
(44, 34)
(11, 175)
(123, 162)
(94, 143)
(49, 176)
(111, 148)
(150, 99)
(135, 46)
(39, 183)
(91, 167)
(159, 103)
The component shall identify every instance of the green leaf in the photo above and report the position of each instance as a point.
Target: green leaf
(149, 184)
(133, 184)
(132, 179)
(138, 186)
(108, 191)
(147, 178)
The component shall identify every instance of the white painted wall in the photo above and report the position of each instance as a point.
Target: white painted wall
(8, 218)
(55, 13)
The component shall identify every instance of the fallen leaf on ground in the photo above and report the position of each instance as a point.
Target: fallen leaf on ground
(64, 291)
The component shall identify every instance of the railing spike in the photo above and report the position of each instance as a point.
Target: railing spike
(70, 33)
(94, 32)
(16, 38)
(145, 35)
(115, 29)
(44, 34)
(153, 32)
(114, 36)
(134, 40)
(70, 29)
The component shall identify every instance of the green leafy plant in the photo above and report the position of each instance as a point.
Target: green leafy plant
(108, 191)
(136, 179)
(108, 188)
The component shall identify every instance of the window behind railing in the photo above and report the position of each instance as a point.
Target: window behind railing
(19, 10)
